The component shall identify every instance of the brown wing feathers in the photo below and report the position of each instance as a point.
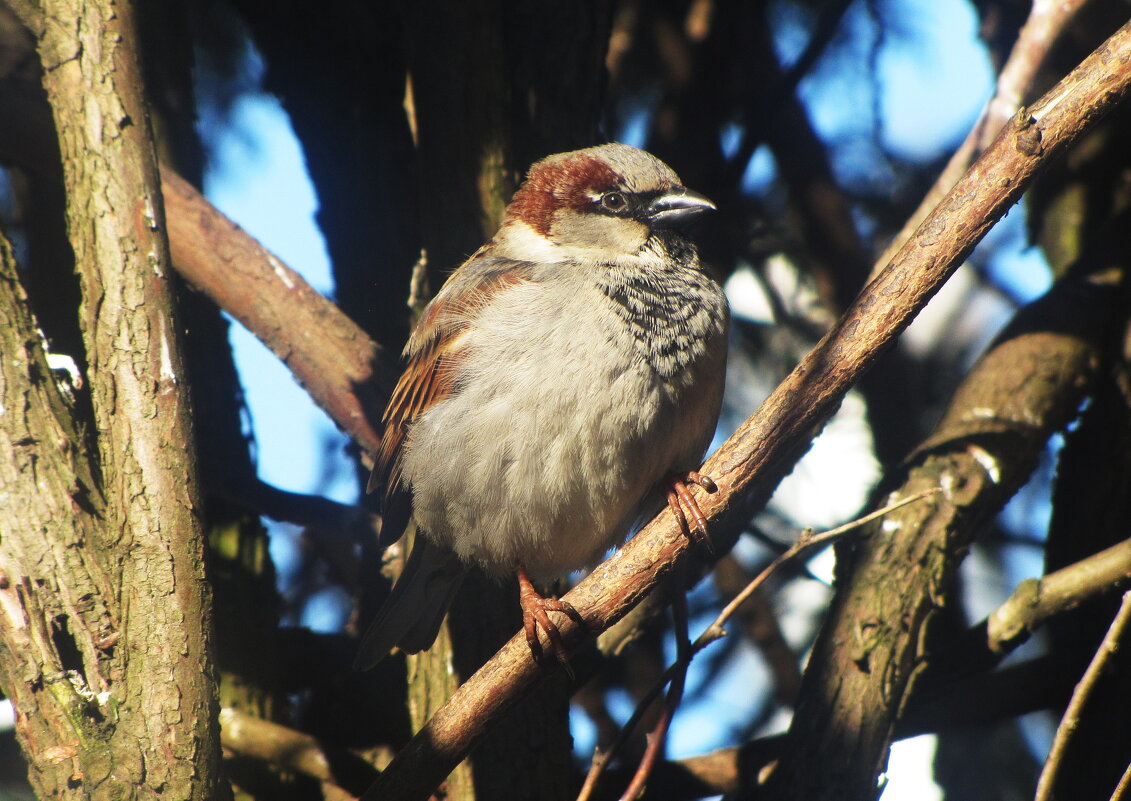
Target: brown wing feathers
(430, 374)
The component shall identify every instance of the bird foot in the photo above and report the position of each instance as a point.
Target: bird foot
(535, 613)
(680, 499)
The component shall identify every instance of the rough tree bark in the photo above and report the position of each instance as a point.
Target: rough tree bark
(107, 612)
(69, 650)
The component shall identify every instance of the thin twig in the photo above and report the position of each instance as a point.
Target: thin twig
(760, 625)
(1121, 789)
(1080, 695)
(805, 543)
(602, 757)
(659, 733)
(596, 768)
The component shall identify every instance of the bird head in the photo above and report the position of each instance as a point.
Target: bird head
(598, 203)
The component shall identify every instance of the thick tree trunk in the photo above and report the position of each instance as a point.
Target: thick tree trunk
(111, 613)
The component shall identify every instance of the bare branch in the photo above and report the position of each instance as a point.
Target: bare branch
(329, 354)
(677, 671)
(1080, 697)
(873, 647)
(339, 365)
(1033, 603)
(760, 627)
(293, 750)
(658, 736)
(805, 543)
(1036, 600)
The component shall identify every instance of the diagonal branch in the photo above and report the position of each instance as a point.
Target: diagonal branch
(1091, 677)
(341, 367)
(873, 646)
(750, 463)
(329, 354)
(971, 693)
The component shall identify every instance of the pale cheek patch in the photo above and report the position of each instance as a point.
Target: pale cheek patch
(520, 241)
(598, 236)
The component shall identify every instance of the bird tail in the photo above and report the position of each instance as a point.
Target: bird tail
(410, 618)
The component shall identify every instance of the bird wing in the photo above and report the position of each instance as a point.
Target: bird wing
(433, 355)
(412, 614)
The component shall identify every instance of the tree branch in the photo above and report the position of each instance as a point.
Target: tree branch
(972, 695)
(1036, 600)
(342, 368)
(330, 355)
(1080, 697)
(1032, 604)
(293, 750)
(873, 645)
(677, 671)
(750, 463)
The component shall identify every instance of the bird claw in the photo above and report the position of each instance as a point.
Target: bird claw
(680, 498)
(535, 613)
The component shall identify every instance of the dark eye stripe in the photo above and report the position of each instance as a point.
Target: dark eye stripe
(634, 204)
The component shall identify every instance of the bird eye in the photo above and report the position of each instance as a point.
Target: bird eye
(613, 201)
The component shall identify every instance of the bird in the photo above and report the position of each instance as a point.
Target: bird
(562, 385)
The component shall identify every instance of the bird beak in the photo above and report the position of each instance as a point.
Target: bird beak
(677, 207)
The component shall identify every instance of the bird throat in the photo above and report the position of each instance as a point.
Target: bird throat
(671, 310)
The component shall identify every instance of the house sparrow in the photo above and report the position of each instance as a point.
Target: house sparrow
(567, 377)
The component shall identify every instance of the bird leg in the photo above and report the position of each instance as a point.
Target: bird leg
(535, 613)
(680, 498)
